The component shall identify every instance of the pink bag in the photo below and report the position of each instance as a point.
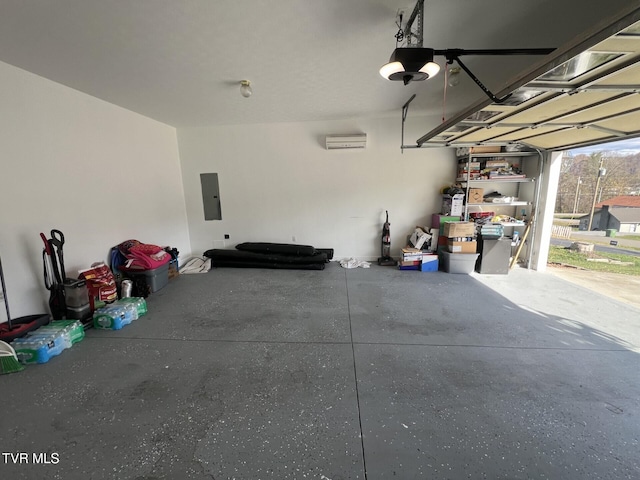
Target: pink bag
(142, 256)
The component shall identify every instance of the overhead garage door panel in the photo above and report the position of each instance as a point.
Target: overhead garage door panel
(565, 105)
(629, 123)
(617, 43)
(485, 134)
(628, 76)
(591, 91)
(628, 102)
(527, 133)
(567, 138)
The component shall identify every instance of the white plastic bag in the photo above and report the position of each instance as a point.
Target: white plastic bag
(196, 265)
(354, 263)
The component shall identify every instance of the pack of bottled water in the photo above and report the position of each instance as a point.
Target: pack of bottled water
(48, 341)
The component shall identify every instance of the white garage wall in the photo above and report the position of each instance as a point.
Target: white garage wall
(278, 182)
(99, 173)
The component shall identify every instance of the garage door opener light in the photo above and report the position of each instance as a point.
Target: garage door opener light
(415, 63)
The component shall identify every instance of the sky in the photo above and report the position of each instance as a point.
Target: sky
(623, 147)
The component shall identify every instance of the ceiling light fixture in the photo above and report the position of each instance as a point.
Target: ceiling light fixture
(415, 63)
(245, 88)
(409, 64)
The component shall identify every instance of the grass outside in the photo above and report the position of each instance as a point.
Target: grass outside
(563, 256)
(629, 236)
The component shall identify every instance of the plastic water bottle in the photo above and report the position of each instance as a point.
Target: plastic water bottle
(516, 237)
(126, 285)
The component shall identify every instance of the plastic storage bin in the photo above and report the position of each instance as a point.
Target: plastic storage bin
(155, 279)
(458, 262)
(76, 294)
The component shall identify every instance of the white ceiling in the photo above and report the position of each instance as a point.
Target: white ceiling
(180, 62)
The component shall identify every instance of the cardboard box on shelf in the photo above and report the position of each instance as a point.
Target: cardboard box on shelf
(471, 165)
(462, 247)
(465, 169)
(472, 176)
(475, 195)
(485, 149)
(459, 229)
(502, 175)
(497, 163)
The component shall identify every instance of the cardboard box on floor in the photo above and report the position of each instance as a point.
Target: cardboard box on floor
(429, 262)
(459, 229)
(410, 254)
(462, 247)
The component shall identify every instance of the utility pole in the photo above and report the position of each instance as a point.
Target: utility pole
(575, 200)
(601, 173)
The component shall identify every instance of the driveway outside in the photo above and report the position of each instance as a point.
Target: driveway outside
(625, 288)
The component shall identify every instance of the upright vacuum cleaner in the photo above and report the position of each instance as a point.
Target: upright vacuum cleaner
(385, 260)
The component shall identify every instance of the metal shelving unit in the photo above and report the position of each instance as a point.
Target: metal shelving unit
(531, 195)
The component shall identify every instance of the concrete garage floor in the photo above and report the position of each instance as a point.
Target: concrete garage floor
(336, 374)
(625, 288)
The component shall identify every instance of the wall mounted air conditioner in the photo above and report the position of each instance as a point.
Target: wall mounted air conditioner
(355, 140)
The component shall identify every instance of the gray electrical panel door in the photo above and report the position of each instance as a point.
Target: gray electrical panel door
(211, 196)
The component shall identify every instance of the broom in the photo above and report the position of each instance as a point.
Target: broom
(522, 240)
(8, 359)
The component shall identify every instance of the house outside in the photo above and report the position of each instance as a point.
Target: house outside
(620, 213)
